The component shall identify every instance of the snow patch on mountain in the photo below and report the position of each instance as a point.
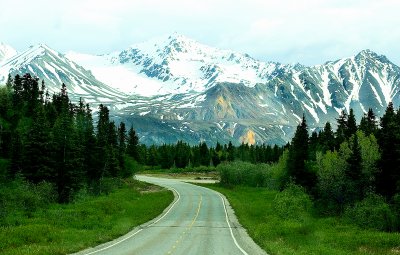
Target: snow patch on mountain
(6, 52)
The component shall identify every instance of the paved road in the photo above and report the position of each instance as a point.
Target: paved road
(199, 221)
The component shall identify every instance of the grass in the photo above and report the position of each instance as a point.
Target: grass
(62, 229)
(254, 208)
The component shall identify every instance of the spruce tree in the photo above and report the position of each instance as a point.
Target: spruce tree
(121, 145)
(368, 123)
(389, 143)
(230, 152)
(36, 154)
(298, 154)
(204, 154)
(341, 131)
(328, 138)
(351, 125)
(354, 171)
(132, 145)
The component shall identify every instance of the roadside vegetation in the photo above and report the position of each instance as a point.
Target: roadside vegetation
(286, 223)
(66, 182)
(32, 222)
(329, 193)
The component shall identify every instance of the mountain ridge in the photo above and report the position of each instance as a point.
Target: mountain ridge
(200, 93)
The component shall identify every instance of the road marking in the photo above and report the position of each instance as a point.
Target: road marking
(189, 227)
(230, 228)
(126, 238)
(226, 217)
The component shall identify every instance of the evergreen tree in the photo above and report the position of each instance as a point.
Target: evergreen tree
(351, 125)
(327, 138)
(121, 145)
(152, 156)
(68, 155)
(389, 142)
(204, 154)
(341, 131)
(182, 154)
(36, 154)
(231, 152)
(354, 171)
(368, 123)
(91, 150)
(103, 126)
(132, 145)
(297, 157)
(166, 153)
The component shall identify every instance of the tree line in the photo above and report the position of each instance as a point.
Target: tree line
(183, 155)
(367, 156)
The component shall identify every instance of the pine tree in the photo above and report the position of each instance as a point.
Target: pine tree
(121, 145)
(341, 131)
(166, 153)
(389, 143)
(91, 150)
(328, 138)
(298, 155)
(132, 145)
(204, 154)
(368, 123)
(69, 159)
(351, 125)
(36, 153)
(354, 171)
(231, 152)
(103, 126)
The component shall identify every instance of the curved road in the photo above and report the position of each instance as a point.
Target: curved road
(199, 221)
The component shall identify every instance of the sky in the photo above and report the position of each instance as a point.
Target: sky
(309, 32)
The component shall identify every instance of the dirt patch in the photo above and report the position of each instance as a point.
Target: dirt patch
(150, 189)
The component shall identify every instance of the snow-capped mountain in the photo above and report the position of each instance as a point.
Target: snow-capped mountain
(54, 68)
(175, 64)
(181, 89)
(6, 52)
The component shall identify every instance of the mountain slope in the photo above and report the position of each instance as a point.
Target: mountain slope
(54, 68)
(6, 52)
(175, 65)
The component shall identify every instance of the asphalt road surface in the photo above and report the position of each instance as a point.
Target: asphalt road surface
(199, 221)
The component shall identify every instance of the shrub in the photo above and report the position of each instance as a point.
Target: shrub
(371, 213)
(4, 165)
(131, 167)
(243, 173)
(278, 176)
(293, 203)
(20, 197)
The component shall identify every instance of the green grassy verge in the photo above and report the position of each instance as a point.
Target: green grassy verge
(62, 229)
(313, 235)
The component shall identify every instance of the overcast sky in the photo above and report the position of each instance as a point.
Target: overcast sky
(288, 31)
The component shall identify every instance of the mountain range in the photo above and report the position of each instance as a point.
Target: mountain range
(174, 88)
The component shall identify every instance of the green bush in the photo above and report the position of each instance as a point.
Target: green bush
(243, 173)
(371, 213)
(293, 203)
(272, 176)
(22, 198)
(4, 165)
(131, 167)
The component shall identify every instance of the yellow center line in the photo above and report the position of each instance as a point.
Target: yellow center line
(188, 227)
